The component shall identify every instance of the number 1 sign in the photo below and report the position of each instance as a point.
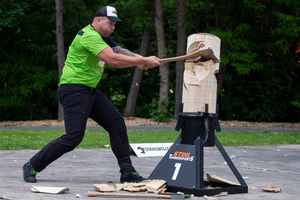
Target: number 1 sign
(180, 166)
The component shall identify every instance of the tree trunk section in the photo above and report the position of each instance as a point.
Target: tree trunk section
(138, 73)
(200, 83)
(162, 53)
(60, 47)
(181, 45)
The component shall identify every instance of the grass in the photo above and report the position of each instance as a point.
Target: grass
(37, 139)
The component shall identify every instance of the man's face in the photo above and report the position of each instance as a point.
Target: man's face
(106, 27)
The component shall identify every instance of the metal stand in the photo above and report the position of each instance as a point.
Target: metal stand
(183, 166)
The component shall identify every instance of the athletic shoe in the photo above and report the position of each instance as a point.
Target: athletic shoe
(29, 173)
(131, 177)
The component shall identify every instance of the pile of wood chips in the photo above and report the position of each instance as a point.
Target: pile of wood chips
(151, 186)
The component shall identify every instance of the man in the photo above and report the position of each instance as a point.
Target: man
(90, 50)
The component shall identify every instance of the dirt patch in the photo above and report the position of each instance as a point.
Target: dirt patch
(135, 121)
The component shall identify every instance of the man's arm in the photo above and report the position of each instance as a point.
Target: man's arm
(125, 58)
(120, 50)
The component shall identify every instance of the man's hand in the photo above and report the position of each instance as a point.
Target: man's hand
(142, 67)
(151, 62)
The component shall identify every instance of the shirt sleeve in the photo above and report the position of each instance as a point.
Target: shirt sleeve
(94, 43)
(110, 41)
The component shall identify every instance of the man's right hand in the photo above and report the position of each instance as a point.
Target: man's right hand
(151, 62)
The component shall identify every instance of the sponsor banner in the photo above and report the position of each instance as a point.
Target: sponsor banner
(150, 149)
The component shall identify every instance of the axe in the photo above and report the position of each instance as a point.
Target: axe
(205, 54)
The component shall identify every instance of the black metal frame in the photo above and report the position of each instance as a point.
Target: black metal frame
(198, 187)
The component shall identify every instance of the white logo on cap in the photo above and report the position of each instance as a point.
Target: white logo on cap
(111, 11)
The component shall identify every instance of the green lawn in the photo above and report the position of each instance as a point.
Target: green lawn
(37, 139)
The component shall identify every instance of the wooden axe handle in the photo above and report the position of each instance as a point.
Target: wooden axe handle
(191, 55)
(96, 194)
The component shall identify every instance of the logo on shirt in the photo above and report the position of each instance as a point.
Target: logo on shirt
(101, 65)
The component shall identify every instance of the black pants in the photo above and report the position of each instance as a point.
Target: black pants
(80, 103)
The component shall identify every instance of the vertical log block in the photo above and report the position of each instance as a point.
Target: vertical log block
(199, 81)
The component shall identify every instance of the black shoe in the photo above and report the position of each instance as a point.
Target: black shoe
(29, 173)
(131, 177)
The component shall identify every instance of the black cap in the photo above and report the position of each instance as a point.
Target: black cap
(109, 12)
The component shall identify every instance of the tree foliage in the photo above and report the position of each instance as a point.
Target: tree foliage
(260, 55)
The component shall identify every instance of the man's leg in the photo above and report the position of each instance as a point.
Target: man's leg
(106, 115)
(77, 103)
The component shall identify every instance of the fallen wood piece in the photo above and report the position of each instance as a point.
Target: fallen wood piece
(49, 190)
(162, 189)
(132, 188)
(104, 187)
(141, 184)
(216, 179)
(208, 198)
(120, 186)
(252, 188)
(162, 196)
(156, 186)
(222, 194)
(271, 189)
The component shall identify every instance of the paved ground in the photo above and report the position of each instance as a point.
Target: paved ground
(261, 166)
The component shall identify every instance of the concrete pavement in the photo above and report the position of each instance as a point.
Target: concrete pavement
(260, 166)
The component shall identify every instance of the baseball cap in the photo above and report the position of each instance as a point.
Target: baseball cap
(109, 12)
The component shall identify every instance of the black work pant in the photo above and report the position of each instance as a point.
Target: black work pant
(80, 103)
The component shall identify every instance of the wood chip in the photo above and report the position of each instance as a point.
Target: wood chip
(252, 188)
(156, 186)
(109, 181)
(104, 187)
(271, 189)
(153, 186)
(216, 179)
(49, 190)
(120, 186)
(209, 198)
(222, 194)
(139, 184)
(132, 188)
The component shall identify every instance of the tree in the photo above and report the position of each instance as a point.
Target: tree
(259, 57)
(60, 47)
(181, 46)
(258, 41)
(26, 77)
(138, 73)
(162, 53)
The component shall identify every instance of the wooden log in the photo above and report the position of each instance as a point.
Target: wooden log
(200, 83)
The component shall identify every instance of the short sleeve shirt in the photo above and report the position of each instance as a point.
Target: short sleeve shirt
(82, 65)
